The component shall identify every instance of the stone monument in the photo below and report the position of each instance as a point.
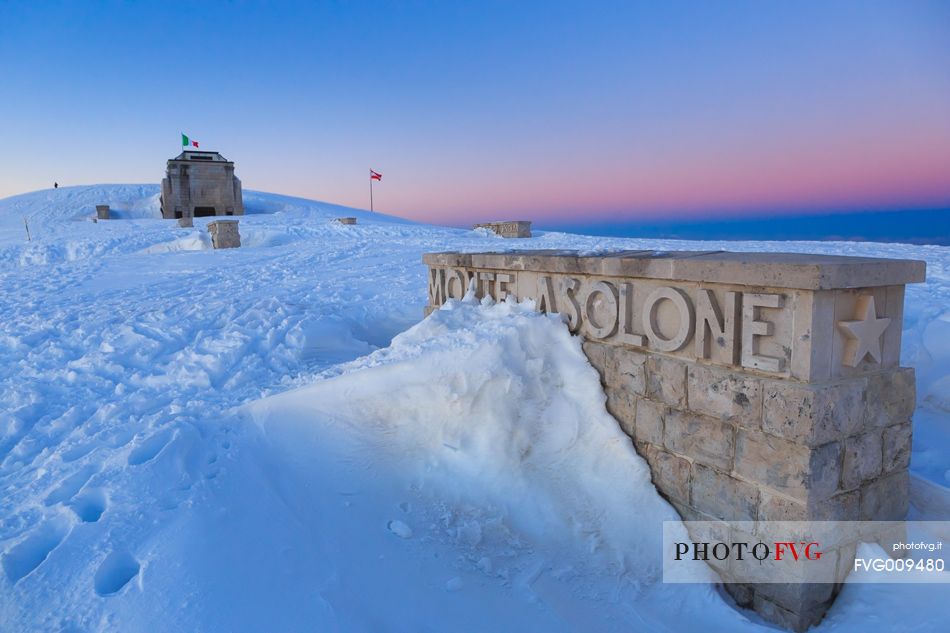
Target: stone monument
(224, 234)
(512, 228)
(758, 386)
(199, 184)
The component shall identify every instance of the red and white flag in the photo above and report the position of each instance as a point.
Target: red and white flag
(374, 175)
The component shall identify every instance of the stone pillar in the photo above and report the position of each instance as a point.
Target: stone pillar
(224, 233)
(758, 386)
(186, 222)
(102, 212)
(512, 228)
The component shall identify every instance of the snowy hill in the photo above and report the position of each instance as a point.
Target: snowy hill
(266, 438)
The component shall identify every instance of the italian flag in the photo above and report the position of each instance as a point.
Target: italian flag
(185, 141)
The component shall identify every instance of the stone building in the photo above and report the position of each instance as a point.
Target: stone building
(199, 184)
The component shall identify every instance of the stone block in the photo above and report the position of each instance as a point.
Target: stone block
(346, 220)
(666, 380)
(897, 446)
(509, 228)
(846, 554)
(790, 468)
(862, 459)
(102, 212)
(775, 507)
(224, 234)
(813, 333)
(670, 473)
(689, 513)
(813, 415)
(186, 222)
(627, 370)
(649, 421)
(800, 620)
(742, 593)
(887, 498)
(623, 406)
(794, 595)
(597, 355)
(725, 394)
(894, 309)
(722, 496)
(891, 396)
(843, 506)
(703, 439)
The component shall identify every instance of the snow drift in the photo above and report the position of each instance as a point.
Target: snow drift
(486, 428)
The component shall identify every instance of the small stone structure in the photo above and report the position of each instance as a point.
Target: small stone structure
(514, 228)
(224, 234)
(346, 220)
(102, 212)
(758, 386)
(199, 184)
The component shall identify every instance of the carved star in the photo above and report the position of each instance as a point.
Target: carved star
(864, 334)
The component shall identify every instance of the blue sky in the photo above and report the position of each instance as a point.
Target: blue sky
(611, 110)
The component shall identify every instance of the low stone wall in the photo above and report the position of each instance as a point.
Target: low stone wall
(513, 228)
(224, 234)
(758, 386)
(346, 220)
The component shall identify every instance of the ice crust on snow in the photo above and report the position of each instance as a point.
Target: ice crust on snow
(268, 439)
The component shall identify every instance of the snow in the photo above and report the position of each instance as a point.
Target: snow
(268, 438)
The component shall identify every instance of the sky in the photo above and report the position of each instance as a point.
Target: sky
(559, 112)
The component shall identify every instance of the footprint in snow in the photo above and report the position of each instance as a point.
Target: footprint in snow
(69, 486)
(29, 553)
(89, 504)
(149, 448)
(75, 452)
(115, 572)
(399, 528)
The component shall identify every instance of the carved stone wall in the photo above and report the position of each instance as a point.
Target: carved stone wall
(758, 387)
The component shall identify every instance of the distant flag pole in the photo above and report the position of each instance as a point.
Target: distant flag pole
(372, 176)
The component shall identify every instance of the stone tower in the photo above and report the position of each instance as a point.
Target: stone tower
(199, 184)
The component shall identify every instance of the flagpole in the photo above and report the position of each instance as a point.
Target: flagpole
(370, 189)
